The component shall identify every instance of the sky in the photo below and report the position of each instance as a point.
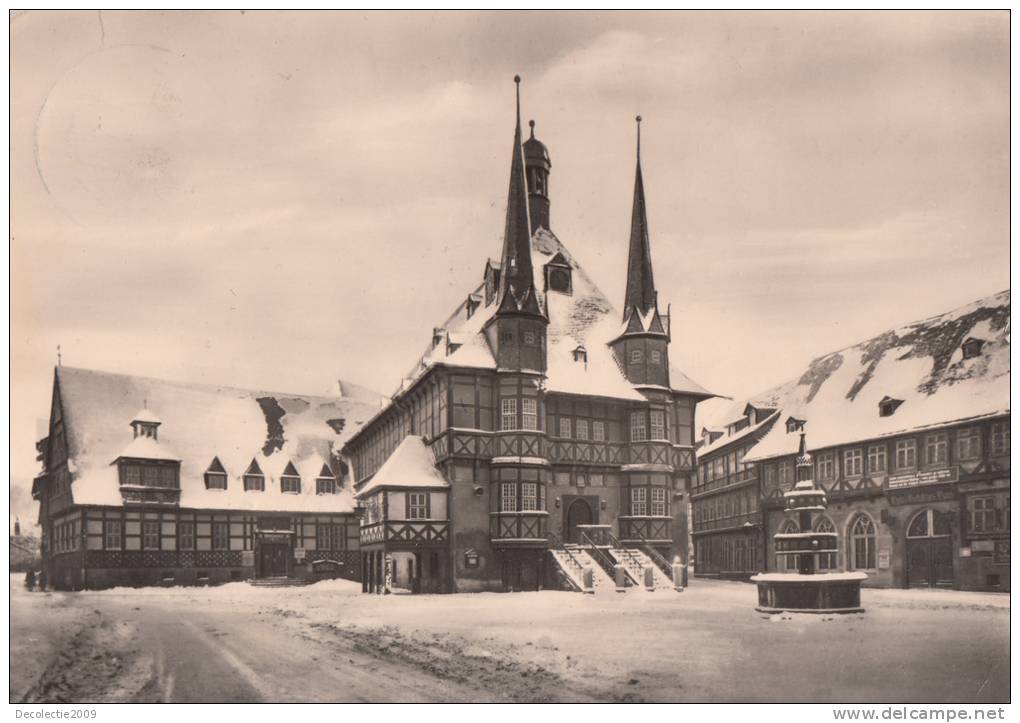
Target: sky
(278, 200)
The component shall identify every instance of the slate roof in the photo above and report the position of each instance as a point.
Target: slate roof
(202, 422)
(921, 363)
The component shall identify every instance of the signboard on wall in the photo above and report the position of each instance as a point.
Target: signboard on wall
(982, 545)
(1001, 556)
(299, 553)
(883, 559)
(923, 477)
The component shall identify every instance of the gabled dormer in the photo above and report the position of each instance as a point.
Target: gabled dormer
(325, 483)
(888, 406)
(558, 275)
(971, 347)
(794, 425)
(581, 355)
(290, 480)
(491, 278)
(215, 475)
(254, 480)
(149, 473)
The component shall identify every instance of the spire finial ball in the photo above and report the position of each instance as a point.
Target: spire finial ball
(638, 119)
(531, 123)
(517, 79)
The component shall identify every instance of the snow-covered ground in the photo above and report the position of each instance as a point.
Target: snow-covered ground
(328, 642)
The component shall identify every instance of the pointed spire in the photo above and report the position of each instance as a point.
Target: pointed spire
(517, 281)
(640, 284)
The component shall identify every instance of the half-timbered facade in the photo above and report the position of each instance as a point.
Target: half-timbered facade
(910, 437)
(149, 482)
(536, 411)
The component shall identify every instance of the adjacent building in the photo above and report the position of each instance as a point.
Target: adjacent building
(537, 418)
(150, 482)
(910, 436)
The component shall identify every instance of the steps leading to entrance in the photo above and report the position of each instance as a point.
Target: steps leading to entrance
(572, 561)
(636, 561)
(279, 582)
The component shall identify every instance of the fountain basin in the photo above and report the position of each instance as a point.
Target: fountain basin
(829, 592)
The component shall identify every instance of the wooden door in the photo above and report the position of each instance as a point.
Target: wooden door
(274, 560)
(579, 513)
(919, 562)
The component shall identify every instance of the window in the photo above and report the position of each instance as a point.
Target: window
(638, 431)
(659, 501)
(769, 474)
(598, 431)
(906, 454)
(788, 562)
(215, 476)
(254, 480)
(968, 443)
(186, 535)
(655, 356)
(826, 560)
(972, 347)
(936, 448)
(325, 485)
(853, 462)
(167, 477)
(417, 505)
(862, 543)
(876, 458)
(826, 466)
(529, 338)
(322, 537)
(150, 534)
(658, 423)
(638, 501)
(581, 428)
(786, 473)
(150, 476)
(635, 356)
(508, 497)
(887, 406)
(508, 413)
(506, 336)
(338, 537)
(529, 496)
(132, 474)
(565, 427)
(220, 536)
(290, 483)
(558, 279)
(1000, 439)
(112, 534)
(982, 514)
(529, 414)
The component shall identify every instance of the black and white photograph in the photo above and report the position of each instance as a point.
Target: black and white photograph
(510, 357)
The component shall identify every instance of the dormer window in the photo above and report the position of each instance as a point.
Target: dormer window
(290, 480)
(558, 275)
(473, 300)
(437, 336)
(888, 406)
(972, 347)
(580, 354)
(254, 480)
(452, 347)
(216, 476)
(794, 425)
(325, 483)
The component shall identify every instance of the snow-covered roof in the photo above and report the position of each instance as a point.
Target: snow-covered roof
(202, 422)
(145, 415)
(410, 465)
(743, 434)
(584, 317)
(921, 363)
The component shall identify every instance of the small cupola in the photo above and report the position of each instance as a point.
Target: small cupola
(537, 166)
(888, 406)
(972, 347)
(146, 424)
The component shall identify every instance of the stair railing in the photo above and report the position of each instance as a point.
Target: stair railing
(659, 560)
(607, 563)
(556, 544)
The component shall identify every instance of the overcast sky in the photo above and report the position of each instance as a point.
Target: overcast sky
(277, 200)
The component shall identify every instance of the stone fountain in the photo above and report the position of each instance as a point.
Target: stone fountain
(807, 590)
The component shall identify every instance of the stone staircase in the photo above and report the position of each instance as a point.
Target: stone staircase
(572, 560)
(636, 561)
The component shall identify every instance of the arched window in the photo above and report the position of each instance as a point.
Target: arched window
(788, 563)
(929, 523)
(861, 550)
(827, 560)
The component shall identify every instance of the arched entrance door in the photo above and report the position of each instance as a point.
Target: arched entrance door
(930, 550)
(579, 513)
